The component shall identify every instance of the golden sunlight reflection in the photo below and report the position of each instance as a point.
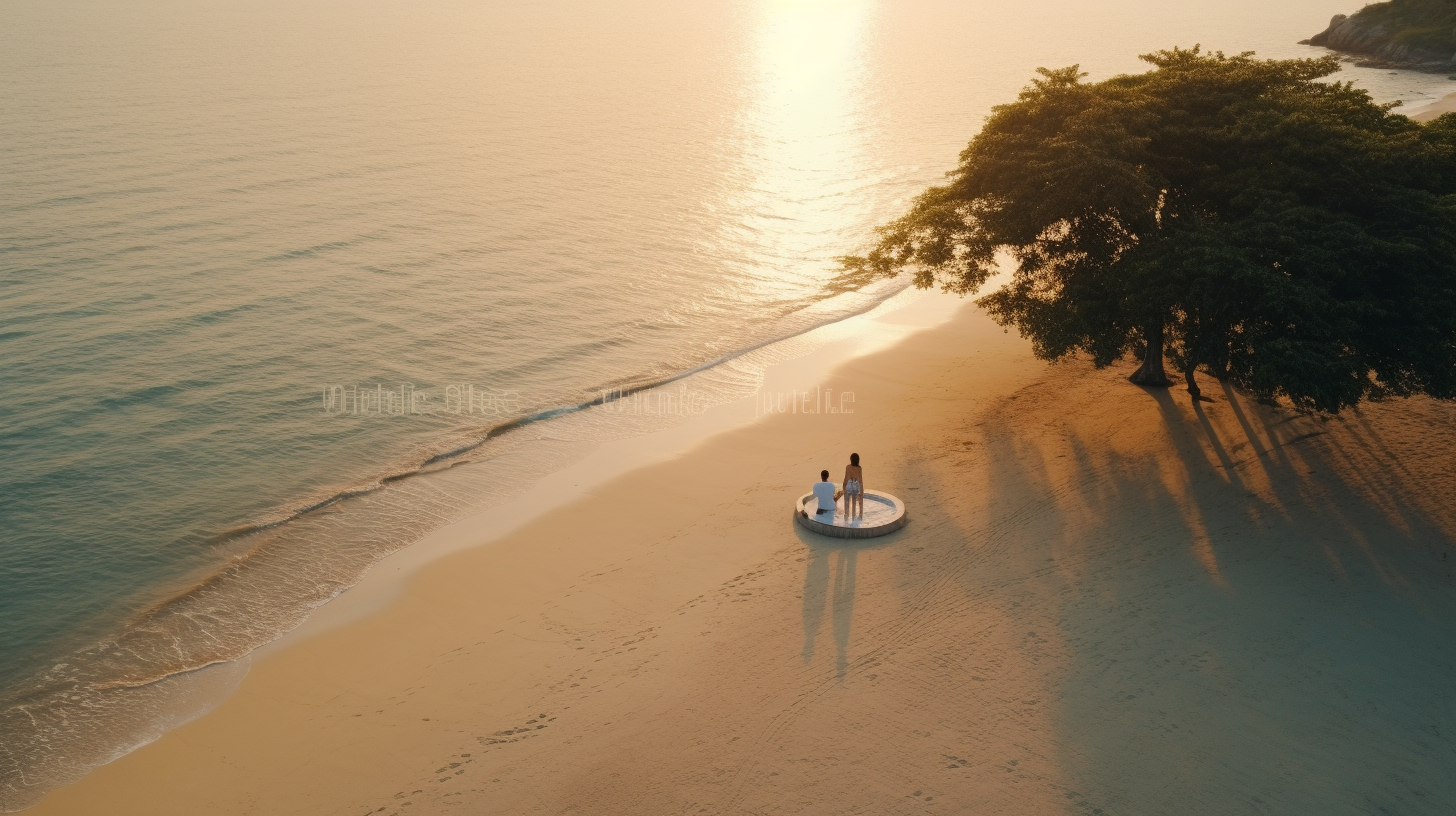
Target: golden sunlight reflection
(801, 191)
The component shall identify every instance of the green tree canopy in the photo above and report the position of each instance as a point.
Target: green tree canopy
(1283, 233)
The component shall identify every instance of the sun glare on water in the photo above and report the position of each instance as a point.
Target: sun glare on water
(799, 193)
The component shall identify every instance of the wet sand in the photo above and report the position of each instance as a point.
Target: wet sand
(1107, 601)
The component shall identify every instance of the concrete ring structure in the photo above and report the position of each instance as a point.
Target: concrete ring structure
(883, 514)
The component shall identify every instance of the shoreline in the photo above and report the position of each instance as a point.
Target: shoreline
(181, 697)
(1446, 104)
(618, 457)
(1107, 599)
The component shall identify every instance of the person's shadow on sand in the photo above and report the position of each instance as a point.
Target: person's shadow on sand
(829, 580)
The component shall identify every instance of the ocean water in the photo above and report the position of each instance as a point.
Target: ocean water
(274, 276)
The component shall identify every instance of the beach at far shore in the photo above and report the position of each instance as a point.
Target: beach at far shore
(1425, 113)
(1106, 601)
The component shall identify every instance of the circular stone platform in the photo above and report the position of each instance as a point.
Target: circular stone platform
(883, 514)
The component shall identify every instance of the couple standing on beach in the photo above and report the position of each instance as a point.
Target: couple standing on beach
(853, 491)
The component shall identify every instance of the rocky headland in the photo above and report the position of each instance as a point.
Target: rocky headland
(1410, 34)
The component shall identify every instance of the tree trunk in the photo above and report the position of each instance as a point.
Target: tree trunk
(1151, 372)
(1193, 390)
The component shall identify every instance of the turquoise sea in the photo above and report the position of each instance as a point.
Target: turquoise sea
(262, 263)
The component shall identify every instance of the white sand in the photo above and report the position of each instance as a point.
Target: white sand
(1105, 602)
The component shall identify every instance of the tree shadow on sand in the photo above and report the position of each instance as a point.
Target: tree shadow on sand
(1234, 608)
(1304, 674)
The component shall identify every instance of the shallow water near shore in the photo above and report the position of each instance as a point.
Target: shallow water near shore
(270, 258)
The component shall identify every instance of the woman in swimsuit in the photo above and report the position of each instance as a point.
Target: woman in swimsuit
(853, 487)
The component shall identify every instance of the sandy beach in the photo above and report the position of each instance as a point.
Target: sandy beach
(1107, 601)
(1425, 113)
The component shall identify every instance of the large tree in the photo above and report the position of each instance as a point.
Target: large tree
(1231, 214)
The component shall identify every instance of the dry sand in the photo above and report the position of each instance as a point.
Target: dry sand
(1446, 104)
(1106, 601)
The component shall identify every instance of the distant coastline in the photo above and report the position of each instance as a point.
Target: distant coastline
(1406, 34)
(1446, 104)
